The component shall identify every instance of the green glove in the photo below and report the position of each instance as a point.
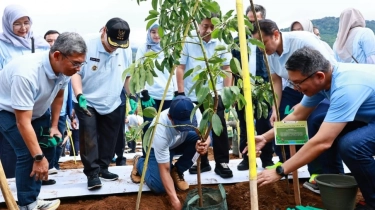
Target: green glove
(45, 141)
(83, 104)
(147, 100)
(133, 104)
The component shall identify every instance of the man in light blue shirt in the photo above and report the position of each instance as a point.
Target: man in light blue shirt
(98, 104)
(350, 121)
(29, 85)
(187, 62)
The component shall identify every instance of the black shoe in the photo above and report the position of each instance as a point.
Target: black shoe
(121, 161)
(105, 174)
(48, 182)
(204, 168)
(93, 182)
(223, 170)
(243, 165)
(267, 163)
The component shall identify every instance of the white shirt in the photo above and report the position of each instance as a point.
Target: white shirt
(167, 138)
(29, 83)
(102, 75)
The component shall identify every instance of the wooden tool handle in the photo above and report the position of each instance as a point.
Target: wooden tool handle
(7, 194)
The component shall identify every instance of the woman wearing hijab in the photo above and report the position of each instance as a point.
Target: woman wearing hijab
(354, 43)
(15, 40)
(152, 95)
(302, 25)
(17, 37)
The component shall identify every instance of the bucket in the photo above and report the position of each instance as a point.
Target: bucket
(213, 199)
(338, 192)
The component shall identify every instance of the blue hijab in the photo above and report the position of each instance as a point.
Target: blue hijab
(11, 14)
(149, 42)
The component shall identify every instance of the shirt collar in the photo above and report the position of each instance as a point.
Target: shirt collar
(286, 43)
(48, 68)
(101, 47)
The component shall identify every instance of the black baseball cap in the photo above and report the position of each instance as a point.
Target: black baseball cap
(118, 32)
(180, 110)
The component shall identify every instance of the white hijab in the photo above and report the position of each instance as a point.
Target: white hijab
(351, 20)
(306, 25)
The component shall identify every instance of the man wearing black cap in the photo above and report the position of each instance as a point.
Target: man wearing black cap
(98, 104)
(174, 135)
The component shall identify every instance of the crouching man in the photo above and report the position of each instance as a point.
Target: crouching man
(174, 135)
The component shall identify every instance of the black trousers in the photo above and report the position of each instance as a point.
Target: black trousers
(97, 138)
(220, 143)
(120, 144)
(262, 125)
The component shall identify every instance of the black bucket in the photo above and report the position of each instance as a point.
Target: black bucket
(338, 192)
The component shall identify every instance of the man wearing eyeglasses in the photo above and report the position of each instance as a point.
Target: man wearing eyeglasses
(29, 85)
(348, 126)
(98, 104)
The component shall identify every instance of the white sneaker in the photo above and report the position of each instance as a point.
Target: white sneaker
(52, 171)
(47, 205)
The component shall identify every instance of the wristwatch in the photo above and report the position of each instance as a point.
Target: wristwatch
(280, 171)
(38, 158)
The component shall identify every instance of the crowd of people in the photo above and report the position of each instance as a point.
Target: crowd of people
(65, 86)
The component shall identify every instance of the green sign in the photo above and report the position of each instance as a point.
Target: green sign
(291, 133)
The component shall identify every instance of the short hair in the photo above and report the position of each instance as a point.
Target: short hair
(267, 26)
(69, 43)
(258, 8)
(51, 32)
(308, 61)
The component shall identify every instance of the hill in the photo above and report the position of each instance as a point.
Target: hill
(329, 26)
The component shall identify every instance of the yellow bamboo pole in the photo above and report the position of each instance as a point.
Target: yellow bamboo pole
(248, 108)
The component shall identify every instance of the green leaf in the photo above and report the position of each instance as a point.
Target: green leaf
(188, 73)
(199, 58)
(215, 21)
(235, 90)
(150, 112)
(193, 112)
(215, 33)
(215, 60)
(147, 138)
(216, 124)
(161, 32)
(151, 54)
(150, 23)
(154, 4)
(226, 97)
(202, 93)
(158, 66)
(234, 113)
(150, 17)
(257, 43)
(204, 122)
(235, 66)
(153, 12)
(149, 78)
(228, 15)
(220, 48)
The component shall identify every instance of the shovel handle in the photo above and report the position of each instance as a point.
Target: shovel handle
(7, 194)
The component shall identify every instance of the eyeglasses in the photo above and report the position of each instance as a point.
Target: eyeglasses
(20, 25)
(75, 64)
(298, 84)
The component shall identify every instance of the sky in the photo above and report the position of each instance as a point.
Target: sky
(87, 17)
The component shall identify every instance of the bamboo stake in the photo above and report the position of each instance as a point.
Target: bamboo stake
(248, 108)
(7, 194)
(158, 115)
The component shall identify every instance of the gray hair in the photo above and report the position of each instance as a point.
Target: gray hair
(258, 8)
(308, 61)
(69, 43)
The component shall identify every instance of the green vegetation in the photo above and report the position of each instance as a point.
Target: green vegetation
(329, 26)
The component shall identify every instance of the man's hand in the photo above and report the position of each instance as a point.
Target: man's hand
(273, 118)
(202, 147)
(54, 132)
(40, 170)
(133, 104)
(268, 176)
(176, 204)
(260, 142)
(83, 104)
(147, 100)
